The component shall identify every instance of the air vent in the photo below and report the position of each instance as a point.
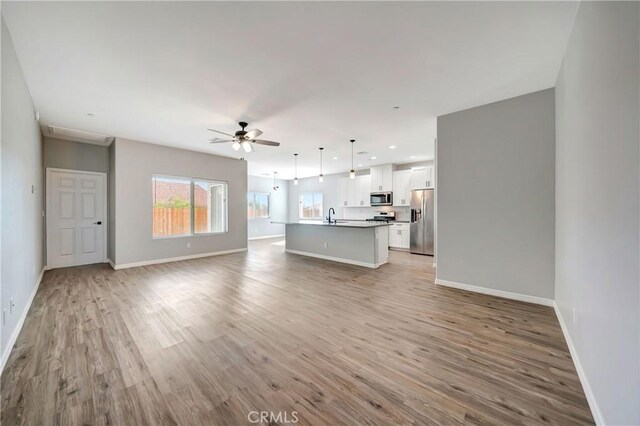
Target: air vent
(80, 136)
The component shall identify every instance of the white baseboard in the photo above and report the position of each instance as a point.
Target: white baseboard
(111, 263)
(499, 293)
(23, 317)
(174, 259)
(266, 237)
(337, 259)
(591, 399)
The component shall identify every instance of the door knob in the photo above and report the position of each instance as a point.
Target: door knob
(98, 222)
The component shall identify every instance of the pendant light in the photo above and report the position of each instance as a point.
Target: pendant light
(295, 179)
(276, 182)
(352, 172)
(321, 177)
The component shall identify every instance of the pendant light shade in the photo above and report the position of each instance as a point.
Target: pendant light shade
(321, 176)
(352, 172)
(236, 146)
(295, 179)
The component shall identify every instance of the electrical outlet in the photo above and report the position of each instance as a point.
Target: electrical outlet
(573, 315)
(188, 245)
(326, 245)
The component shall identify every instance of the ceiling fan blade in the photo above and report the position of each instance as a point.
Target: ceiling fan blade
(222, 133)
(252, 134)
(264, 142)
(220, 140)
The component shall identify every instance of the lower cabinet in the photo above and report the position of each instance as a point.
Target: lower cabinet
(399, 236)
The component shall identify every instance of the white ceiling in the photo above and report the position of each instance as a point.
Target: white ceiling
(307, 74)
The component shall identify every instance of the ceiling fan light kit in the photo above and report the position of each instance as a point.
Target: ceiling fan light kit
(243, 138)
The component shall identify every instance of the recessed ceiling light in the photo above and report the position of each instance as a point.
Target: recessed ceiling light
(413, 156)
(335, 158)
(90, 114)
(374, 157)
(392, 147)
(362, 153)
(359, 165)
(396, 107)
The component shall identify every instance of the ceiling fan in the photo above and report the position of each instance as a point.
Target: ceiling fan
(243, 138)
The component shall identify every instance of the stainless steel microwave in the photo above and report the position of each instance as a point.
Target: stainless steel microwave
(381, 199)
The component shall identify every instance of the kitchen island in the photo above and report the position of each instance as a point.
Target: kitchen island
(357, 243)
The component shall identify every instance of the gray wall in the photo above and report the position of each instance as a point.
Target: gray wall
(597, 187)
(135, 164)
(277, 206)
(496, 195)
(22, 222)
(111, 204)
(63, 154)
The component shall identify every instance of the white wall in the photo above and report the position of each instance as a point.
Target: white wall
(597, 197)
(496, 196)
(22, 222)
(135, 164)
(277, 205)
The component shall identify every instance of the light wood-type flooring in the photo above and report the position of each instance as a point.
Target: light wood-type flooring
(208, 341)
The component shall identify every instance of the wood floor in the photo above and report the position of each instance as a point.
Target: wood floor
(208, 341)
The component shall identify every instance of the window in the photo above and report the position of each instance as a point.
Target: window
(209, 213)
(310, 206)
(184, 206)
(257, 205)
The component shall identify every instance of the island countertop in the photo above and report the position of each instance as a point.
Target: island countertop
(339, 224)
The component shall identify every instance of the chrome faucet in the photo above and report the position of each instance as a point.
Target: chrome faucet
(329, 217)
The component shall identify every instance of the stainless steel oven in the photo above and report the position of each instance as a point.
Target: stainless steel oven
(381, 199)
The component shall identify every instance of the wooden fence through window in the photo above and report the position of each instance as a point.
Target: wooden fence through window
(173, 221)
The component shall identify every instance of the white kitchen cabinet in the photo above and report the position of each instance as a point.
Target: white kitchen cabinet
(363, 190)
(382, 178)
(344, 192)
(399, 236)
(401, 187)
(431, 177)
(355, 192)
(422, 178)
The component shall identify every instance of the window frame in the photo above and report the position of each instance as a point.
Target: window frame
(300, 197)
(192, 181)
(268, 194)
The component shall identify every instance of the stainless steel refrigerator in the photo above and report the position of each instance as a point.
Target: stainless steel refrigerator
(421, 236)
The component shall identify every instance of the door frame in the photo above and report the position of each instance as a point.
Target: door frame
(105, 210)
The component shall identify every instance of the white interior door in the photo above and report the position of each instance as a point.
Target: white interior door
(76, 218)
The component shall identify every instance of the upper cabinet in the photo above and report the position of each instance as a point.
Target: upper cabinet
(344, 192)
(363, 185)
(422, 178)
(401, 187)
(355, 192)
(382, 178)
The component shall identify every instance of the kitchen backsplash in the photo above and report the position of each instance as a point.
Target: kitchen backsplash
(361, 213)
